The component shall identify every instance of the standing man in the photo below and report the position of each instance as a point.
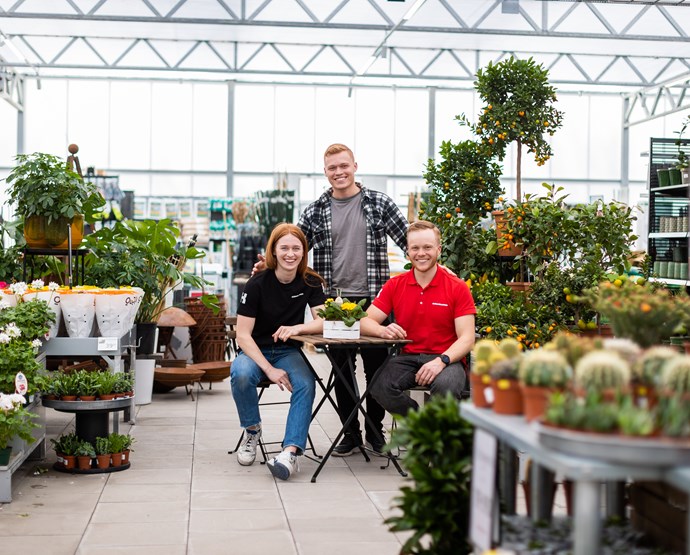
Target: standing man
(432, 308)
(347, 227)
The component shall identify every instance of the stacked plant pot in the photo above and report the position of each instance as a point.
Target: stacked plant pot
(209, 337)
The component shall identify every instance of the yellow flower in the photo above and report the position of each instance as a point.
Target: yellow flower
(329, 300)
(348, 306)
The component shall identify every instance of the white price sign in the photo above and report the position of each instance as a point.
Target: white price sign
(107, 343)
(483, 489)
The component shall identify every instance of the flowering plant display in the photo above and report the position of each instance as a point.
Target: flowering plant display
(642, 312)
(15, 420)
(342, 310)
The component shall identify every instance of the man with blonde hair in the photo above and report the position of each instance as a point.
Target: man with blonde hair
(347, 227)
(432, 308)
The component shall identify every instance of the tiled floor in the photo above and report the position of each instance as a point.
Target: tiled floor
(185, 494)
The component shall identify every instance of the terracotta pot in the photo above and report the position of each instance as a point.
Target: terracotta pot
(507, 396)
(125, 456)
(519, 285)
(103, 461)
(536, 400)
(84, 463)
(107, 396)
(645, 396)
(68, 398)
(511, 249)
(70, 461)
(117, 459)
(478, 384)
(603, 331)
(87, 397)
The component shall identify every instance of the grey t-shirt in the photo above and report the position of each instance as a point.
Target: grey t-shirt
(349, 246)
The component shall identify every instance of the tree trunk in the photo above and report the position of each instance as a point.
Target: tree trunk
(518, 173)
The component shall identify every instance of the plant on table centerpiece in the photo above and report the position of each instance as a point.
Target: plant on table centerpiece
(644, 313)
(519, 107)
(66, 444)
(435, 508)
(542, 372)
(49, 196)
(15, 420)
(106, 382)
(342, 310)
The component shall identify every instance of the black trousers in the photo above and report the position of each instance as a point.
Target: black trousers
(373, 359)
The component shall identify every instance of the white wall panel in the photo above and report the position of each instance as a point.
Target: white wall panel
(254, 128)
(46, 118)
(411, 131)
(171, 126)
(209, 127)
(374, 130)
(88, 121)
(130, 125)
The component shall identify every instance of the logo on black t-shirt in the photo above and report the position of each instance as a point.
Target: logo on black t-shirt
(243, 299)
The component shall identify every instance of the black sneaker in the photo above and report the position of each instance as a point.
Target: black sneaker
(347, 446)
(376, 445)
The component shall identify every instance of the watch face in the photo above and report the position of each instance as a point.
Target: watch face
(445, 359)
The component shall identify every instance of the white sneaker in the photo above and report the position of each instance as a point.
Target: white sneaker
(246, 454)
(283, 465)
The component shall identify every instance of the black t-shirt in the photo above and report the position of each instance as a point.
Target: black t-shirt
(274, 304)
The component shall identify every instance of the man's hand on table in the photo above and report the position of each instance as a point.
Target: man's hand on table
(283, 333)
(392, 331)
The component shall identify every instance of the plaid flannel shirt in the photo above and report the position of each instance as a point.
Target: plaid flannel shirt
(383, 218)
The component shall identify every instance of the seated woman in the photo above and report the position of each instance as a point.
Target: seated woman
(270, 311)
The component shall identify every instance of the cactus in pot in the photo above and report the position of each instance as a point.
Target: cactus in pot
(506, 388)
(676, 378)
(602, 371)
(647, 374)
(484, 355)
(541, 372)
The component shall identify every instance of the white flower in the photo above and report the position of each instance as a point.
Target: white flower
(4, 304)
(4, 338)
(37, 284)
(17, 399)
(5, 402)
(36, 343)
(18, 288)
(12, 330)
(52, 286)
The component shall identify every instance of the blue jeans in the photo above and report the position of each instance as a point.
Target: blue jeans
(245, 375)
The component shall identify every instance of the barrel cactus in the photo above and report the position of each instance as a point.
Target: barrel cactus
(543, 368)
(627, 349)
(484, 355)
(572, 347)
(510, 347)
(601, 370)
(648, 370)
(677, 375)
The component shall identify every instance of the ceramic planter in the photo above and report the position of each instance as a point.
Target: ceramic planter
(674, 176)
(663, 177)
(338, 330)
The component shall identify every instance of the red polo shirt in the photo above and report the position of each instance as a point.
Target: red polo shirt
(427, 315)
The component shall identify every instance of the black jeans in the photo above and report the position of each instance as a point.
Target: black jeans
(373, 359)
(399, 375)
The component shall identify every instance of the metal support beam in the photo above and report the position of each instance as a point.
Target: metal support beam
(431, 148)
(230, 162)
(625, 156)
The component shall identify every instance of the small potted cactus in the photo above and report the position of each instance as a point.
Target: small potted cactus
(506, 388)
(647, 373)
(676, 378)
(603, 372)
(484, 355)
(541, 373)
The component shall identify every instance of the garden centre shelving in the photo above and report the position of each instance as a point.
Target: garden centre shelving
(21, 450)
(669, 216)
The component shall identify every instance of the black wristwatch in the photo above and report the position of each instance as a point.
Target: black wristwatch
(445, 359)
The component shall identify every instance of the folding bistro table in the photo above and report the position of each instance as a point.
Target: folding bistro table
(329, 345)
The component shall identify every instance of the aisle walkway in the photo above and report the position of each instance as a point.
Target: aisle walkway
(185, 495)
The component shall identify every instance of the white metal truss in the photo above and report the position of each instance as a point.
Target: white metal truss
(12, 88)
(332, 38)
(655, 102)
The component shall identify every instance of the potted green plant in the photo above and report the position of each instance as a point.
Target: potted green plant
(506, 387)
(85, 454)
(647, 373)
(519, 106)
(438, 457)
(103, 452)
(117, 443)
(66, 449)
(145, 254)
(676, 376)
(49, 197)
(682, 163)
(106, 382)
(602, 372)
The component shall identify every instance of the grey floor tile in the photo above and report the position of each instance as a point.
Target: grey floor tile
(241, 520)
(142, 511)
(135, 534)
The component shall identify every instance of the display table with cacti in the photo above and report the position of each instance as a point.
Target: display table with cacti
(587, 472)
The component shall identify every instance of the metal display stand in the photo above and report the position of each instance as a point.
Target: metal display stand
(21, 451)
(587, 473)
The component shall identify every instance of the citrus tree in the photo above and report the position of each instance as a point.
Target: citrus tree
(519, 106)
(463, 186)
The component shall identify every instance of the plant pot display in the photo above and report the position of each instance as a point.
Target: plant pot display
(105, 454)
(49, 197)
(498, 362)
(79, 312)
(541, 373)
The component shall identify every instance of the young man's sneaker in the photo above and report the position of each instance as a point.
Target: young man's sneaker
(283, 465)
(246, 454)
(349, 444)
(376, 445)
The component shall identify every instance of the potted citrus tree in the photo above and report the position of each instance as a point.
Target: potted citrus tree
(519, 107)
(49, 197)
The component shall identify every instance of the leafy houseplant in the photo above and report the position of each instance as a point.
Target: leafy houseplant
(66, 444)
(41, 185)
(519, 107)
(143, 254)
(439, 459)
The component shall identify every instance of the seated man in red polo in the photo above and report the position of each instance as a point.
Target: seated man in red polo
(432, 308)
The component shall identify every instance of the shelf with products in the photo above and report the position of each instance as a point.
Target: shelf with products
(669, 214)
